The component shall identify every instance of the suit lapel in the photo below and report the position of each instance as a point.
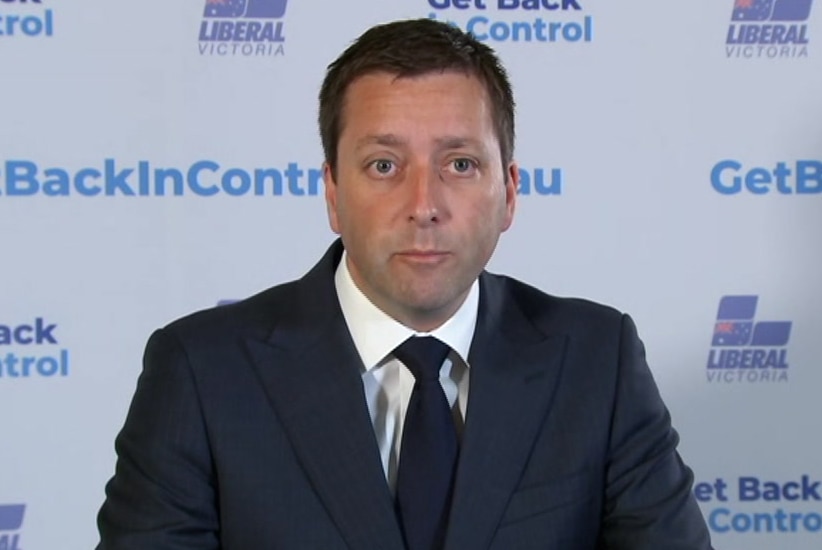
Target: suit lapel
(514, 371)
(311, 372)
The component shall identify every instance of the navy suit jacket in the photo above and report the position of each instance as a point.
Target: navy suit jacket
(249, 430)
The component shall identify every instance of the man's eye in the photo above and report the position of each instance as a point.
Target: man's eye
(462, 165)
(383, 166)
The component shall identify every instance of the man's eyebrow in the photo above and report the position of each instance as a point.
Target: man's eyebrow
(457, 142)
(393, 140)
(390, 140)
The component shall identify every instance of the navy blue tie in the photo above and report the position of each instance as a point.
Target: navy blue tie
(428, 454)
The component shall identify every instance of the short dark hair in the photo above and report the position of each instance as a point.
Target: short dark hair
(413, 48)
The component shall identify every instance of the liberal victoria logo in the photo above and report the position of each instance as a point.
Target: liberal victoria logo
(243, 27)
(11, 520)
(745, 350)
(768, 29)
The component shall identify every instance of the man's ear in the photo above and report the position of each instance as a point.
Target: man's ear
(511, 189)
(331, 197)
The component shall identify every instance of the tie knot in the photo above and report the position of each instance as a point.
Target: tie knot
(423, 355)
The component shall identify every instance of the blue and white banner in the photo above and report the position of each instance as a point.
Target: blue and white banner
(159, 157)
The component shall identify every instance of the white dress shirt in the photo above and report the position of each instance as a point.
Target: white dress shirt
(387, 382)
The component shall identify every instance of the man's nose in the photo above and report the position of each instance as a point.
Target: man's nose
(426, 201)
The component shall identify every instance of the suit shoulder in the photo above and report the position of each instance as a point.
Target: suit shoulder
(568, 312)
(259, 312)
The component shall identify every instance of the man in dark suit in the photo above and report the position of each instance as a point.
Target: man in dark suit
(299, 419)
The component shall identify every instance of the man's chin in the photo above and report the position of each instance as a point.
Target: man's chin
(431, 309)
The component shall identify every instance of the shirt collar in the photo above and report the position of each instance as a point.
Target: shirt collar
(376, 334)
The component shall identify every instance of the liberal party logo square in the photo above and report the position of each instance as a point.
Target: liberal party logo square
(771, 10)
(744, 349)
(249, 28)
(11, 520)
(768, 29)
(251, 9)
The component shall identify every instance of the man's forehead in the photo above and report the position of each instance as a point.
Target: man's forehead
(368, 90)
(363, 88)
